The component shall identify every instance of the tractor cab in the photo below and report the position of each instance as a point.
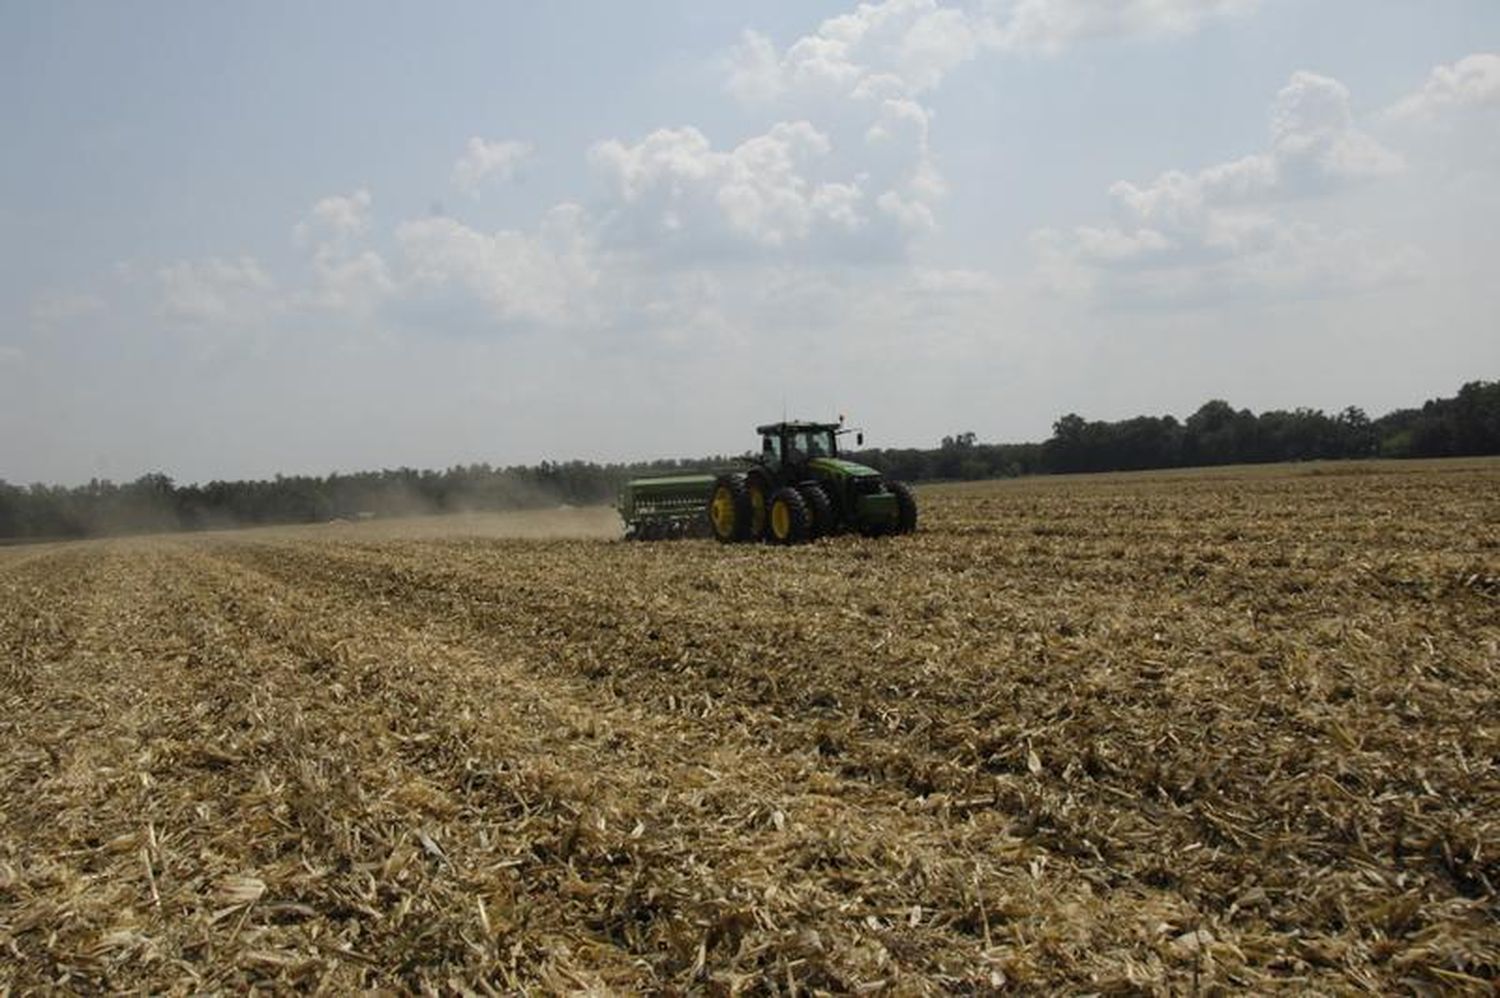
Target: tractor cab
(792, 445)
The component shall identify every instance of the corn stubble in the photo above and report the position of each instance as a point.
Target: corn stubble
(1156, 733)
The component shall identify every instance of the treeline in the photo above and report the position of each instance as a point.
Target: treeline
(1467, 424)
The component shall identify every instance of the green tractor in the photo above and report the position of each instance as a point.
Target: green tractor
(796, 489)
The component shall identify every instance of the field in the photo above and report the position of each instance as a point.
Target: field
(1176, 732)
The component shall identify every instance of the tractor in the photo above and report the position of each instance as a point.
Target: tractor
(796, 489)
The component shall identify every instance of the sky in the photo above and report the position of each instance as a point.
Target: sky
(238, 240)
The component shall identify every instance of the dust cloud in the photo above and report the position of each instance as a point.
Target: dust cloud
(561, 523)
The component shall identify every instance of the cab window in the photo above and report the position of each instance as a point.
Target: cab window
(813, 443)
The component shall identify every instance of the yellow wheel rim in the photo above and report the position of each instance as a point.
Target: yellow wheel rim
(721, 511)
(781, 520)
(757, 511)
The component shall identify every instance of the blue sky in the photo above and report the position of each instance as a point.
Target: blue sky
(248, 239)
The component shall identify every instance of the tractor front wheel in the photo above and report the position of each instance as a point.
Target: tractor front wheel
(787, 517)
(819, 510)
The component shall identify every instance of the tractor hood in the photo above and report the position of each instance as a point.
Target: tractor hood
(836, 467)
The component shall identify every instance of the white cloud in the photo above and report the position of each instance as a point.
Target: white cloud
(543, 277)
(754, 69)
(344, 277)
(1471, 82)
(909, 213)
(485, 159)
(892, 48)
(355, 284)
(906, 47)
(898, 116)
(763, 193)
(1114, 245)
(1314, 140)
(11, 356)
(216, 291)
(337, 218)
(1452, 124)
(1225, 226)
(897, 153)
(768, 193)
(1315, 148)
(877, 59)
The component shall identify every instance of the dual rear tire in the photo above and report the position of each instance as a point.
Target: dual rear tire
(739, 509)
(730, 511)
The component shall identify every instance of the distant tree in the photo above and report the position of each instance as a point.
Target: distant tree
(1067, 449)
(1356, 434)
(1219, 434)
(10, 510)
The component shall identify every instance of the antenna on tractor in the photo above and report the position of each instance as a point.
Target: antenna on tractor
(858, 431)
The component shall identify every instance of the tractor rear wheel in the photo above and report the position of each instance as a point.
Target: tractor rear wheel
(819, 510)
(729, 509)
(906, 507)
(759, 487)
(787, 522)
